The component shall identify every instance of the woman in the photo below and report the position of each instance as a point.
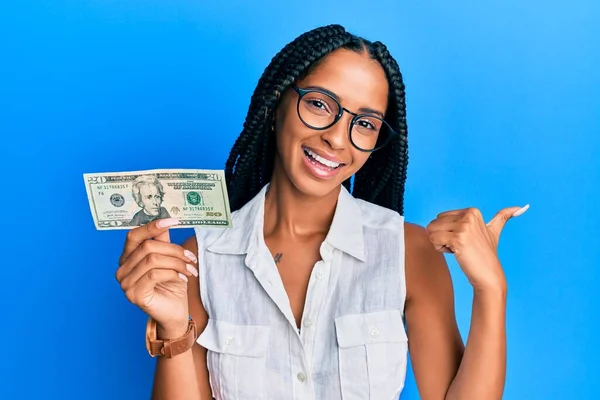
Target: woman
(306, 296)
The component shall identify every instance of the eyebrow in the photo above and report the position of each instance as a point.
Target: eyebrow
(362, 110)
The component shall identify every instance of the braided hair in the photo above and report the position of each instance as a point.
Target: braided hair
(250, 164)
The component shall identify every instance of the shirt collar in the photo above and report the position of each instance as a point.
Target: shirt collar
(246, 226)
(345, 232)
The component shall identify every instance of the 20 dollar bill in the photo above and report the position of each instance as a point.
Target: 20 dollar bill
(125, 200)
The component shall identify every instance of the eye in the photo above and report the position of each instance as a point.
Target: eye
(367, 125)
(318, 105)
(364, 123)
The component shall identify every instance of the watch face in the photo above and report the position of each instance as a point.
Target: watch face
(150, 335)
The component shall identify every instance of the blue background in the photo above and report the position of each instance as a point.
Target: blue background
(503, 109)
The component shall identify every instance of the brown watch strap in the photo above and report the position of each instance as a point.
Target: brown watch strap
(170, 347)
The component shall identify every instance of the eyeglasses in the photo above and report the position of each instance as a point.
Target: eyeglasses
(319, 110)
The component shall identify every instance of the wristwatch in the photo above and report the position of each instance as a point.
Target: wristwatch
(170, 347)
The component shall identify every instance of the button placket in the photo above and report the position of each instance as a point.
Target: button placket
(300, 373)
(316, 294)
(271, 282)
(301, 377)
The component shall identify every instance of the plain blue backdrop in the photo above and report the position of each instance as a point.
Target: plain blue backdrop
(503, 109)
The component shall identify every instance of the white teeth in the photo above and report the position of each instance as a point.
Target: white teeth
(322, 160)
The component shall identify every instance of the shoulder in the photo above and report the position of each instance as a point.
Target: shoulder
(426, 268)
(417, 238)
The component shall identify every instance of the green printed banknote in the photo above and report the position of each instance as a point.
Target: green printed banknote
(125, 200)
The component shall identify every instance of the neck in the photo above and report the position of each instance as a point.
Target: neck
(293, 214)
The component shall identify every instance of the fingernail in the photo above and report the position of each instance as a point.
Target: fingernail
(183, 277)
(167, 222)
(188, 254)
(192, 270)
(521, 211)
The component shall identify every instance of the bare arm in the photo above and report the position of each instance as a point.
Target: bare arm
(483, 368)
(443, 368)
(174, 378)
(435, 344)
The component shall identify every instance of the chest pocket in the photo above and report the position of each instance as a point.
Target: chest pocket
(236, 359)
(372, 351)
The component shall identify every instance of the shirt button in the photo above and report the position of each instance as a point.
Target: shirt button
(229, 341)
(319, 275)
(307, 322)
(374, 332)
(301, 377)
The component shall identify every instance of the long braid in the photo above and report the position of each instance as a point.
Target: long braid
(250, 163)
(381, 180)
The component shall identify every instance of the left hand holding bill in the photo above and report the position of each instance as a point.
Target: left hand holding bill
(473, 242)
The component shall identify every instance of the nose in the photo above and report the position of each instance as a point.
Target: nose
(336, 136)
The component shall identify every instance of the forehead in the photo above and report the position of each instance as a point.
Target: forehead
(356, 79)
(148, 188)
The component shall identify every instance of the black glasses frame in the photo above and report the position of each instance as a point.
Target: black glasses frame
(355, 117)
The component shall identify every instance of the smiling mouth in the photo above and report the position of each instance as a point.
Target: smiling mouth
(318, 160)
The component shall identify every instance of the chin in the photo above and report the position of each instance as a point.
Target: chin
(312, 188)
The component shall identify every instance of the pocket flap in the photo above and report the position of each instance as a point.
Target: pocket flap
(239, 340)
(376, 327)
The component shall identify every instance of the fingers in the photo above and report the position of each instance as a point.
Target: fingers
(448, 222)
(449, 213)
(455, 212)
(443, 241)
(155, 261)
(470, 211)
(456, 220)
(447, 228)
(152, 246)
(144, 287)
(154, 229)
(452, 229)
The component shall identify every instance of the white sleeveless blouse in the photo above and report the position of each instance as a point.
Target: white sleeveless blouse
(352, 344)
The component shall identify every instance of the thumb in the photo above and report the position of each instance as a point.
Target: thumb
(497, 223)
(163, 237)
